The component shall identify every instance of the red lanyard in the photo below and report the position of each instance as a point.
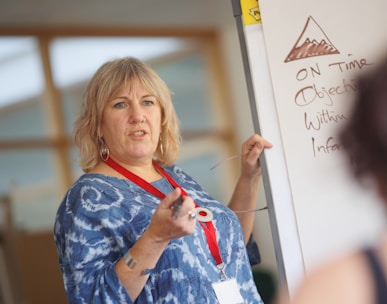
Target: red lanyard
(207, 227)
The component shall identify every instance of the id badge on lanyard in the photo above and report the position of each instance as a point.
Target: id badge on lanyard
(227, 292)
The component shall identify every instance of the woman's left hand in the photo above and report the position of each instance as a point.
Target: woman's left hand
(246, 190)
(251, 151)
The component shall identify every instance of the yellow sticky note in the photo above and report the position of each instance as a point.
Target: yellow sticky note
(250, 12)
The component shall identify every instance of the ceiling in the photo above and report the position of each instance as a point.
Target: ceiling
(148, 14)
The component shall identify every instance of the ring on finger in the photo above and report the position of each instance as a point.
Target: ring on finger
(192, 214)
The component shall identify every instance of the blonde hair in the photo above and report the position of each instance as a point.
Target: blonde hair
(106, 82)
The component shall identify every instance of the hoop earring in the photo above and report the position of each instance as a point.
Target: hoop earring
(161, 146)
(104, 151)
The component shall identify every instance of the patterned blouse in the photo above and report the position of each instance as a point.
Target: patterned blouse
(101, 217)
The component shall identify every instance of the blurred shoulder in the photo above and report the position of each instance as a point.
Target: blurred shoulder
(345, 279)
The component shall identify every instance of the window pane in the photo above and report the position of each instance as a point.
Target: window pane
(27, 176)
(76, 59)
(23, 120)
(22, 82)
(186, 78)
(20, 69)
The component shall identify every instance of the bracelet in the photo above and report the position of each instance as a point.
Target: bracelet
(129, 261)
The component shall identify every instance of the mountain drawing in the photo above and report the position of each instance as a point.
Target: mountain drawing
(312, 42)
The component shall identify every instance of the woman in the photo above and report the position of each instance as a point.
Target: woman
(359, 277)
(119, 235)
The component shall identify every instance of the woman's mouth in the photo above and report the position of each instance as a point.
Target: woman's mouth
(138, 133)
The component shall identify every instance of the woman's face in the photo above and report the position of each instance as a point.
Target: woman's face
(131, 125)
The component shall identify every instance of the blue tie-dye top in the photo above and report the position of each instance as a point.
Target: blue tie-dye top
(101, 217)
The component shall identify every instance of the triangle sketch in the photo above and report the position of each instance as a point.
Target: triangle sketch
(312, 42)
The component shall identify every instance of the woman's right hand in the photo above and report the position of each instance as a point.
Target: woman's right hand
(164, 227)
(147, 250)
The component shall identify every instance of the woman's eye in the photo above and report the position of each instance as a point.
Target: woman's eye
(120, 105)
(148, 102)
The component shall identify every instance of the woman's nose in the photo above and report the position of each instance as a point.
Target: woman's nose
(137, 119)
(137, 116)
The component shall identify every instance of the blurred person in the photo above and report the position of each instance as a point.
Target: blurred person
(359, 277)
(135, 228)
